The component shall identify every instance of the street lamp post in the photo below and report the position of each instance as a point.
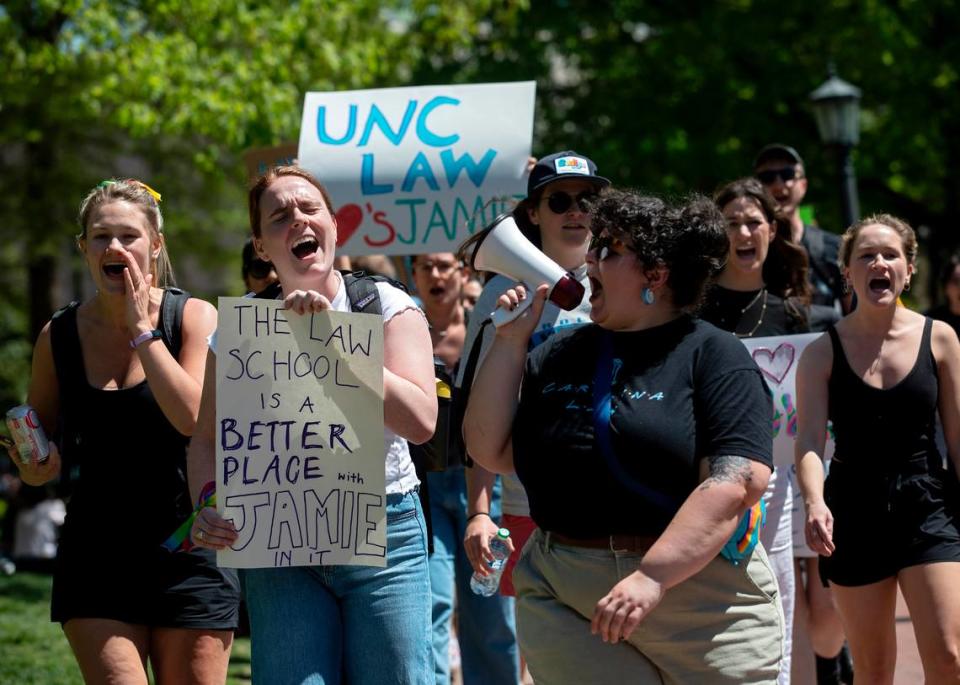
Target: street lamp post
(836, 105)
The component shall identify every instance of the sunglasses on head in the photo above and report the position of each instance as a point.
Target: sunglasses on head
(768, 176)
(561, 202)
(260, 269)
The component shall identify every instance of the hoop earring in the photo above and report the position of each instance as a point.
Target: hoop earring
(906, 287)
(647, 296)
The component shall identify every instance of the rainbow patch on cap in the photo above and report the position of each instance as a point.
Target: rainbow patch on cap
(571, 165)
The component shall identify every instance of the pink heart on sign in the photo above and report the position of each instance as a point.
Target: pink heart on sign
(349, 218)
(775, 364)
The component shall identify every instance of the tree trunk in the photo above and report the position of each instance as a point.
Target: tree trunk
(40, 273)
(42, 226)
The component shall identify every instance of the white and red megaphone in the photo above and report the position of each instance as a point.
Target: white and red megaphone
(503, 249)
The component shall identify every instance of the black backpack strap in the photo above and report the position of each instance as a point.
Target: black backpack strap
(462, 395)
(171, 318)
(71, 381)
(67, 353)
(361, 288)
(362, 292)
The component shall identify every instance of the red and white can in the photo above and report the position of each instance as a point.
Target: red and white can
(25, 428)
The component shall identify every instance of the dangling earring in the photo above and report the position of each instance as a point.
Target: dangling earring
(647, 296)
(906, 287)
(845, 287)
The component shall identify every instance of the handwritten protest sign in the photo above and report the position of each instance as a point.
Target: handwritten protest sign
(300, 464)
(258, 160)
(413, 170)
(777, 358)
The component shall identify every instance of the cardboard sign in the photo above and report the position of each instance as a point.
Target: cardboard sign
(258, 160)
(414, 170)
(300, 437)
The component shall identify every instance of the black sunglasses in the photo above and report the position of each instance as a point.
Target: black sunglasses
(768, 176)
(560, 202)
(260, 269)
(605, 244)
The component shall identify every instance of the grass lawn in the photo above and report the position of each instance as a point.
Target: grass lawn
(34, 651)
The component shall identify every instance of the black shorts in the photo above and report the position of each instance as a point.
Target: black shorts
(153, 587)
(884, 523)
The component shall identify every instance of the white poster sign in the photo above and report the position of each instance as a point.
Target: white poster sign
(777, 358)
(414, 170)
(300, 438)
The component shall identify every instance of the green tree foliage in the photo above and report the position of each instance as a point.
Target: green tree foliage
(173, 92)
(677, 96)
(666, 96)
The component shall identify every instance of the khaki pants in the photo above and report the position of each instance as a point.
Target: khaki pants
(723, 625)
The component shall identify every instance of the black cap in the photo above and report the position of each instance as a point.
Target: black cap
(777, 151)
(563, 165)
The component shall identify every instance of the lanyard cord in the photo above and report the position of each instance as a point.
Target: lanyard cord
(602, 412)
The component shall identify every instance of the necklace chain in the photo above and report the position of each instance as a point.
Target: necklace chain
(752, 302)
(763, 311)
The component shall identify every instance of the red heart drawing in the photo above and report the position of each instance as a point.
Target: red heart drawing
(775, 364)
(349, 218)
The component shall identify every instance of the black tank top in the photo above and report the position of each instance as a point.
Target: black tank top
(882, 429)
(124, 461)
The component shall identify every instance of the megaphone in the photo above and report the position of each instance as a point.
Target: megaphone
(503, 249)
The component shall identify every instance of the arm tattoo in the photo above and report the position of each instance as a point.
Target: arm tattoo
(728, 469)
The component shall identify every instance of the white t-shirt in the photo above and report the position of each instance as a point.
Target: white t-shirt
(400, 474)
(553, 319)
(35, 535)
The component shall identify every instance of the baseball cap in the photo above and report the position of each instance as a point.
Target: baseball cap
(561, 165)
(777, 151)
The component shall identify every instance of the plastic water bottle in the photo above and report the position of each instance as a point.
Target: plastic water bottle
(486, 586)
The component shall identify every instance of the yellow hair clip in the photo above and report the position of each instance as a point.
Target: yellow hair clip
(154, 193)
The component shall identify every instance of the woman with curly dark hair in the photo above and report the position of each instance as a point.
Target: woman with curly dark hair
(641, 440)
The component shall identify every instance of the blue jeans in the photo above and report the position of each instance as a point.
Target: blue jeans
(487, 634)
(324, 625)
